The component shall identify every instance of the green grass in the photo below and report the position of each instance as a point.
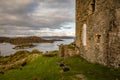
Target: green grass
(46, 68)
(42, 68)
(92, 71)
(4, 60)
(51, 54)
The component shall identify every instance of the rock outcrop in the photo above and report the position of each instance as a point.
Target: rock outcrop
(98, 31)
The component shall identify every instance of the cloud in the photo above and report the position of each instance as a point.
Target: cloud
(35, 15)
(14, 6)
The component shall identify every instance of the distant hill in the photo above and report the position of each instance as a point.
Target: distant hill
(2, 39)
(24, 40)
(59, 37)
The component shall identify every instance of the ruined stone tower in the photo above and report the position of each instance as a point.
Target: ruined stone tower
(98, 31)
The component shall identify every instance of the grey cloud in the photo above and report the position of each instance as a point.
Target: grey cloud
(14, 6)
(18, 14)
(59, 3)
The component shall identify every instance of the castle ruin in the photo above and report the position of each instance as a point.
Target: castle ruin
(98, 31)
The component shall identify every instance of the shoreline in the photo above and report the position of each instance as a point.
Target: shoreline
(26, 40)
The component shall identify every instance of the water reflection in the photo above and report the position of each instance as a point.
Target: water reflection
(6, 49)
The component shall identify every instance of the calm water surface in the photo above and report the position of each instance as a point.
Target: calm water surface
(6, 49)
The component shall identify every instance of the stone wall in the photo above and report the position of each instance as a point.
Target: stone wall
(66, 51)
(102, 20)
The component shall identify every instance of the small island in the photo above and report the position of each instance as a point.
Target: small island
(24, 46)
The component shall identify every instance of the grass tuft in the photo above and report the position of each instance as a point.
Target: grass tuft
(50, 54)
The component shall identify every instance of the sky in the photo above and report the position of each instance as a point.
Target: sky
(37, 18)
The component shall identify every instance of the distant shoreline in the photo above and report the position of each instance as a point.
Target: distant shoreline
(59, 37)
(25, 46)
(26, 40)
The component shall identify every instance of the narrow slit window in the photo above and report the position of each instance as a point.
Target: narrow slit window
(84, 34)
(93, 5)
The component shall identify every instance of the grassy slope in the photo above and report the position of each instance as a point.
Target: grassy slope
(46, 68)
(92, 71)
